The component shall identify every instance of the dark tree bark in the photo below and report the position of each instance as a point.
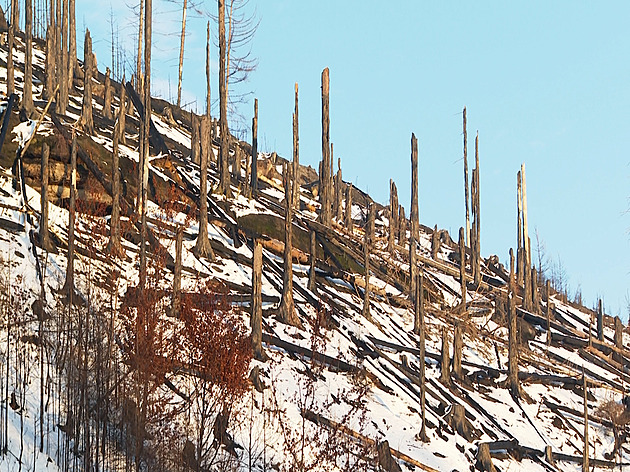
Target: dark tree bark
(122, 113)
(600, 320)
(414, 236)
(182, 38)
(445, 376)
(519, 230)
(43, 224)
(107, 99)
(548, 311)
(256, 302)
(195, 148)
(466, 194)
(224, 180)
(512, 381)
(202, 247)
(477, 218)
(86, 121)
(419, 305)
(585, 460)
(254, 176)
(208, 95)
(338, 210)
(27, 97)
(458, 347)
(421, 357)
(114, 246)
(62, 103)
(618, 339)
(324, 196)
(68, 288)
(462, 268)
(367, 243)
(296, 152)
(73, 67)
(393, 217)
(177, 275)
(49, 86)
(12, 29)
(313, 256)
(435, 243)
(348, 215)
(286, 310)
(402, 224)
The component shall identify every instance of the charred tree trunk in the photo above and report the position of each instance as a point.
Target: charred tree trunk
(195, 148)
(86, 122)
(62, 103)
(43, 224)
(458, 347)
(139, 77)
(296, 152)
(256, 302)
(114, 246)
(122, 113)
(254, 177)
(519, 230)
(224, 180)
(10, 68)
(324, 196)
(462, 268)
(313, 256)
(27, 97)
(548, 311)
(402, 224)
(466, 194)
(208, 95)
(72, 40)
(338, 184)
(534, 291)
(512, 381)
(181, 55)
(107, 100)
(393, 217)
(414, 236)
(618, 339)
(50, 63)
(445, 375)
(286, 311)
(421, 357)
(600, 320)
(367, 243)
(348, 215)
(585, 461)
(477, 219)
(419, 305)
(202, 247)
(68, 288)
(177, 275)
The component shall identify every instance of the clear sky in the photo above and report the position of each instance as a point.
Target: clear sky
(544, 83)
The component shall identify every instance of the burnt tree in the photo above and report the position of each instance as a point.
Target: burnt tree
(176, 300)
(202, 247)
(512, 380)
(86, 122)
(256, 302)
(393, 217)
(415, 226)
(254, 176)
(43, 224)
(324, 196)
(224, 151)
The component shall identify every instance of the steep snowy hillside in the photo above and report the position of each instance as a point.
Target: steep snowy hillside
(340, 388)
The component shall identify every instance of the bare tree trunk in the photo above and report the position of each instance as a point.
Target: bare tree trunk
(286, 310)
(181, 55)
(466, 194)
(618, 339)
(208, 96)
(549, 309)
(600, 320)
(513, 383)
(458, 347)
(367, 242)
(27, 97)
(68, 288)
(114, 246)
(585, 460)
(107, 99)
(421, 358)
(402, 224)
(86, 122)
(349, 207)
(435, 243)
(462, 268)
(313, 256)
(324, 197)
(224, 180)
(393, 216)
(445, 376)
(139, 77)
(50, 63)
(72, 34)
(414, 236)
(177, 275)
(419, 305)
(122, 112)
(519, 219)
(43, 224)
(62, 103)
(296, 152)
(256, 303)
(12, 30)
(202, 247)
(534, 291)
(477, 218)
(254, 181)
(195, 148)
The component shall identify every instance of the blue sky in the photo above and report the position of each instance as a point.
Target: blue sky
(544, 83)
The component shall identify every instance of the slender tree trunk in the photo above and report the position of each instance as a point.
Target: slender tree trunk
(256, 303)
(181, 55)
(72, 34)
(202, 247)
(585, 460)
(195, 148)
(86, 121)
(224, 181)
(114, 246)
(177, 276)
(513, 383)
(458, 347)
(421, 358)
(139, 78)
(419, 305)
(324, 196)
(254, 181)
(618, 339)
(68, 288)
(414, 236)
(62, 103)
(286, 311)
(50, 63)
(600, 320)
(435, 243)
(349, 224)
(466, 194)
(393, 217)
(445, 376)
(27, 98)
(208, 77)
(338, 210)
(313, 256)
(367, 243)
(122, 112)
(462, 268)
(548, 310)
(43, 225)
(402, 224)
(107, 99)
(477, 216)
(12, 29)
(296, 152)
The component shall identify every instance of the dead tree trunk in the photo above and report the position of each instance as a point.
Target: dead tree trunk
(43, 224)
(618, 339)
(513, 384)
(435, 243)
(367, 243)
(10, 67)
(254, 176)
(177, 275)
(122, 113)
(62, 103)
(181, 55)
(202, 247)
(313, 256)
(338, 184)
(419, 305)
(68, 288)
(208, 95)
(286, 311)
(600, 320)
(421, 355)
(393, 217)
(585, 461)
(466, 195)
(402, 224)
(27, 96)
(296, 152)
(414, 236)
(224, 151)
(256, 302)
(548, 310)
(50, 63)
(445, 376)
(86, 122)
(324, 197)
(534, 291)
(114, 246)
(139, 77)
(458, 347)
(462, 268)
(519, 229)
(348, 214)
(107, 100)
(195, 148)
(72, 40)
(477, 218)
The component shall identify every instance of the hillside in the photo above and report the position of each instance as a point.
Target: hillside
(340, 388)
